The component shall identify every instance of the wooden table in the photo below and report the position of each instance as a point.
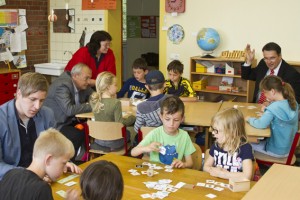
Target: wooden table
(134, 187)
(279, 182)
(253, 134)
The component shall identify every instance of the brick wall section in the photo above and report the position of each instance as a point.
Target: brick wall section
(37, 32)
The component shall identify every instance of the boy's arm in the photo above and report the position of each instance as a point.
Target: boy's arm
(187, 164)
(123, 90)
(190, 89)
(138, 150)
(139, 121)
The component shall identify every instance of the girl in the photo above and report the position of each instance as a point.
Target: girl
(281, 115)
(102, 180)
(108, 109)
(231, 156)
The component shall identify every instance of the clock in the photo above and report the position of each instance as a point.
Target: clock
(175, 6)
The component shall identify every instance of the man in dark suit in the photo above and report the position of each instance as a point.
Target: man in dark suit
(272, 63)
(67, 96)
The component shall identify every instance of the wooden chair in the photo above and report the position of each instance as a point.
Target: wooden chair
(143, 132)
(107, 131)
(197, 157)
(269, 160)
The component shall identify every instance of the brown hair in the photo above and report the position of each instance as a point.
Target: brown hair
(102, 180)
(140, 63)
(175, 66)
(171, 105)
(276, 83)
(32, 82)
(233, 124)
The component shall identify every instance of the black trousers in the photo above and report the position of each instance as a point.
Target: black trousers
(75, 135)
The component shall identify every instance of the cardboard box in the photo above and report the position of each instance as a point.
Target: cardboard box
(199, 85)
(201, 68)
(225, 88)
(239, 184)
(229, 69)
(212, 87)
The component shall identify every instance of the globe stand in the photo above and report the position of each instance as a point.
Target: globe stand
(207, 55)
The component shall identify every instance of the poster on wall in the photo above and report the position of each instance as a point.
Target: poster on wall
(148, 26)
(133, 27)
(9, 18)
(99, 4)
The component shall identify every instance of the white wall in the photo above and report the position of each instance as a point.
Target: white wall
(239, 22)
(137, 46)
(61, 42)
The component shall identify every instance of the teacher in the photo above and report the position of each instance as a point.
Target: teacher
(96, 55)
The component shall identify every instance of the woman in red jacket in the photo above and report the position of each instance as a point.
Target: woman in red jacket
(96, 54)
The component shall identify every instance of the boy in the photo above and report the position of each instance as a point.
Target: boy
(147, 113)
(135, 86)
(178, 85)
(168, 144)
(51, 153)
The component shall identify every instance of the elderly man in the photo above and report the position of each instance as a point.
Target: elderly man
(68, 95)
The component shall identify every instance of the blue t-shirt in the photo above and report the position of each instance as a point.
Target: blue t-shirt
(232, 163)
(134, 89)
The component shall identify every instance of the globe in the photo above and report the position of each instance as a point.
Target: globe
(208, 39)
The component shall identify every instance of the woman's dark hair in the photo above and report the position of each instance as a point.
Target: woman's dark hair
(96, 39)
(102, 180)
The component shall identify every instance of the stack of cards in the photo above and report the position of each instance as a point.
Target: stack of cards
(163, 186)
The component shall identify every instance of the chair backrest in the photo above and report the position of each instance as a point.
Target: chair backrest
(146, 129)
(197, 157)
(106, 130)
(293, 148)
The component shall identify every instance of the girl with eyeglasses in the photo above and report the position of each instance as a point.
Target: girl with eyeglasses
(231, 155)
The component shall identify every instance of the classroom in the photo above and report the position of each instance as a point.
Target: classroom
(160, 99)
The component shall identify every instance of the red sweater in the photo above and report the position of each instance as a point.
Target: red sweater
(82, 55)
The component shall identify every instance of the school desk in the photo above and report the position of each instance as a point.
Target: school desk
(249, 109)
(196, 114)
(279, 182)
(134, 187)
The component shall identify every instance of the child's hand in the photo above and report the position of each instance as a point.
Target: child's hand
(178, 164)
(217, 172)
(73, 168)
(72, 194)
(154, 146)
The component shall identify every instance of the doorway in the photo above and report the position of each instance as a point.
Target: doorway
(140, 33)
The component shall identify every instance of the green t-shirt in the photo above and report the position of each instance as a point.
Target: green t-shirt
(176, 146)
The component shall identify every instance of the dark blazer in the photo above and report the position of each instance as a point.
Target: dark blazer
(61, 99)
(286, 72)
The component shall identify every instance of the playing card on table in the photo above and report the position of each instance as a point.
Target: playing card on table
(162, 181)
(144, 172)
(168, 166)
(145, 196)
(70, 183)
(211, 196)
(62, 193)
(135, 173)
(210, 181)
(132, 170)
(201, 184)
(179, 185)
(168, 170)
(218, 188)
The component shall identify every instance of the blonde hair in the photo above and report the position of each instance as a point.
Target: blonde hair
(52, 142)
(276, 83)
(32, 82)
(233, 124)
(103, 81)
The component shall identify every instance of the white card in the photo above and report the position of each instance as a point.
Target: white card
(135, 173)
(168, 170)
(62, 193)
(210, 181)
(162, 150)
(211, 196)
(62, 181)
(209, 186)
(145, 196)
(132, 170)
(70, 183)
(168, 167)
(218, 189)
(144, 172)
(179, 185)
(201, 184)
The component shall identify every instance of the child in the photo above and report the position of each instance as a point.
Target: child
(168, 144)
(178, 85)
(107, 108)
(135, 86)
(51, 152)
(102, 180)
(147, 113)
(281, 115)
(231, 156)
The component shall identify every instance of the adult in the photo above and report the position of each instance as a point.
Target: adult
(68, 95)
(273, 64)
(96, 54)
(21, 122)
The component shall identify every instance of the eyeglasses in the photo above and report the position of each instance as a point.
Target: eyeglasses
(213, 130)
(272, 59)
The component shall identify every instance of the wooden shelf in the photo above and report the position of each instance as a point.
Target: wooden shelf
(243, 94)
(215, 74)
